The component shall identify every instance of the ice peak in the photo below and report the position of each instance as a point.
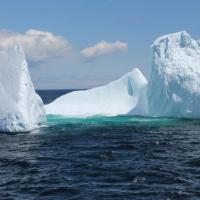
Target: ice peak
(181, 38)
(18, 48)
(136, 70)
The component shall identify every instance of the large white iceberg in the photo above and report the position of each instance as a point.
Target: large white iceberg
(173, 89)
(127, 95)
(21, 109)
(174, 86)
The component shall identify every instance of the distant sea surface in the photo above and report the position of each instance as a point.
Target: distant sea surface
(102, 158)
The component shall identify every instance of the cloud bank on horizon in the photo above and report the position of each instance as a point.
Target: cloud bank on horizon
(40, 46)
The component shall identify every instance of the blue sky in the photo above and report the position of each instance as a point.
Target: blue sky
(85, 23)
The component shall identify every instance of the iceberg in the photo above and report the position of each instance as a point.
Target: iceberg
(173, 89)
(21, 108)
(127, 95)
(174, 86)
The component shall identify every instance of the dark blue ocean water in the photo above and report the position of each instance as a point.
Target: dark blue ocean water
(102, 158)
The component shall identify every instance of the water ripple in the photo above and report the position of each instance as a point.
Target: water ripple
(103, 158)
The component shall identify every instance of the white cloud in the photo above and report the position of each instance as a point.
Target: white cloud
(42, 46)
(38, 45)
(103, 47)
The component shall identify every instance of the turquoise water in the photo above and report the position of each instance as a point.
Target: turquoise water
(118, 120)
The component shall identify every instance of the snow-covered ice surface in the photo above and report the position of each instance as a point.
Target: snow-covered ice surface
(174, 86)
(127, 95)
(21, 108)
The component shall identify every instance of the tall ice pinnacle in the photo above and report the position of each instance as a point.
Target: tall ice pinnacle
(21, 108)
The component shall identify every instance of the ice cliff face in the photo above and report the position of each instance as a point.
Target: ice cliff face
(126, 95)
(21, 108)
(174, 86)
